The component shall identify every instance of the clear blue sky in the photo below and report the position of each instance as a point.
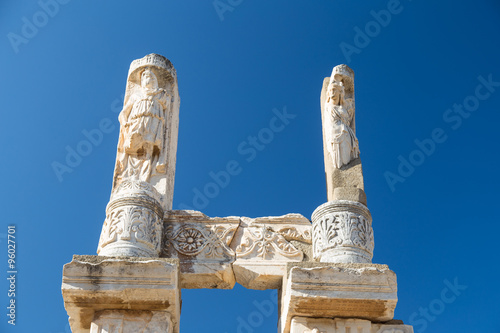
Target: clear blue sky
(434, 222)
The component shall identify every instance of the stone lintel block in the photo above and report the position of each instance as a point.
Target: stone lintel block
(365, 291)
(265, 245)
(96, 283)
(341, 325)
(201, 244)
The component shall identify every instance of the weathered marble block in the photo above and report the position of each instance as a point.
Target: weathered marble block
(365, 291)
(124, 321)
(265, 245)
(96, 283)
(340, 325)
(201, 243)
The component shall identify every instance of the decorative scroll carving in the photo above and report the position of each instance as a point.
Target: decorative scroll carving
(265, 243)
(338, 120)
(292, 233)
(342, 229)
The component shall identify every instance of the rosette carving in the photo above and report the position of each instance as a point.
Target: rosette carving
(199, 240)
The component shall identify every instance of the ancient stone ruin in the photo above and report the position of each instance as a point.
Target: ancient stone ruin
(148, 252)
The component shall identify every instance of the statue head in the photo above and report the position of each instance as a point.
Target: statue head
(336, 92)
(148, 79)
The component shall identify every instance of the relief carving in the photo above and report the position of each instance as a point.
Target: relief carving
(263, 242)
(338, 122)
(197, 240)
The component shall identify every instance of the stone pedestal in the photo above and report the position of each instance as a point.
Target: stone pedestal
(342, 232)
(366, 291)
(134, 222)
(102, 294)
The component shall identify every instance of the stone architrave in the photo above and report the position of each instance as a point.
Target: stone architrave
(265, 245)
(364, 291)
(202, 245)
(143, 181)
(150, 287)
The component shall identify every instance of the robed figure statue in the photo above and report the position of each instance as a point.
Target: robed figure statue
(141, 145)
(341, 141)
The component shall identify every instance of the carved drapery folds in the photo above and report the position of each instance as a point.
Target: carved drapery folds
(342, 232)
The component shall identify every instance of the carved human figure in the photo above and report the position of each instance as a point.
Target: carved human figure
(141, 144)
(341, 140)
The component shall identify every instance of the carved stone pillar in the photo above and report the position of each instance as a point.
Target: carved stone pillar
(342, 232)
(143, 181)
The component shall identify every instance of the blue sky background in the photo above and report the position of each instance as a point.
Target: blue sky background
(440, 224)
